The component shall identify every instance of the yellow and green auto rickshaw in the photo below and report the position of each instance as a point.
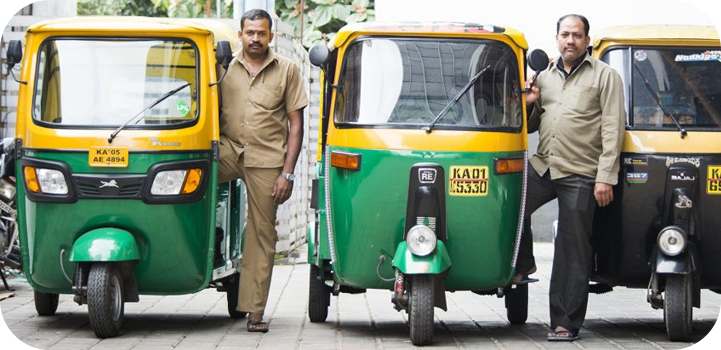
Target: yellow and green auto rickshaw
(420, 175)
(116, 159)
(662, 232)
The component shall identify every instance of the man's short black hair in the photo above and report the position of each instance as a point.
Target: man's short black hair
(586, 26)
(254, 15)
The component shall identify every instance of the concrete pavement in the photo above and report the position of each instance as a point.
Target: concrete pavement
(618, 320)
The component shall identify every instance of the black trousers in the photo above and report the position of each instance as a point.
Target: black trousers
(568, 293)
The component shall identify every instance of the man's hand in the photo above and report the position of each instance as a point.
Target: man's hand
(282, 190)
(603, 193)
(532, 92)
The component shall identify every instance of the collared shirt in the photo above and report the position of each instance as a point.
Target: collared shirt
(580, 120)
(255, 111)
(562, 69)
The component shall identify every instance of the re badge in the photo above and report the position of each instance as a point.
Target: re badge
(714, 179)
(468, 181)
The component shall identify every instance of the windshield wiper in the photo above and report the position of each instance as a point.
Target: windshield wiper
(155, 103)
(455, 99)
(658, 102)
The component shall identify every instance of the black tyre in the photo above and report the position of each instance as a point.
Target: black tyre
(46, 303)
(318, 297)
(420, 313)
(105, 300)
(516, 299)
(231, 294)
(678, 307)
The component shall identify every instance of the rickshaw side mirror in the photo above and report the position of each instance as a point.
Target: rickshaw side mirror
(223, 54)
(319, 54)
(538, 60)
(15, 53)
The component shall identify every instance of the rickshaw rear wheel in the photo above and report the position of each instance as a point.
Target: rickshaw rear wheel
(678, 307)
(516, 300)
(318, 296)
(231, 294)
(420, 313)
(105, 300)
(46, 303)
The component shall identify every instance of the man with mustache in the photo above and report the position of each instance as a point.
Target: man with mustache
(261, 132)
(578, 110)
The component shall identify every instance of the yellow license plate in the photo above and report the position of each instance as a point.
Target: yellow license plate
(116, 157)
(468, 181)
(713, 185)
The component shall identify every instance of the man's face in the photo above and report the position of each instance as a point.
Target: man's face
(255, 36)
(571, 39)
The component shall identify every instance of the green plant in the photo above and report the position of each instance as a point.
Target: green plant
(119, 8)
(321, 19)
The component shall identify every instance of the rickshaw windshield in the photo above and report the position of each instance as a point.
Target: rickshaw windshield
(102, 82)
(407, 82)
(683, 82)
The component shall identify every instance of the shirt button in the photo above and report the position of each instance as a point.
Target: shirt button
(248, 103)
(247, 122)
(246, 143)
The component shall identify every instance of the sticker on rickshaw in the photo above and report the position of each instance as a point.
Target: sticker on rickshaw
(115, 157)
(468, 181)
(714, 179)
(637, 178)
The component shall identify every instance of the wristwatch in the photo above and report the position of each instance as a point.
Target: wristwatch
(287, 176)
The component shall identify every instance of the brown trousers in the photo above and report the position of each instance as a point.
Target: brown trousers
(260, 237)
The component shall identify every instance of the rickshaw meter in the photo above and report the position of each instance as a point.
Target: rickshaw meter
(421, 240)
(672, 241)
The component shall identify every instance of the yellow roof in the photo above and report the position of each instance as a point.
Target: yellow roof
(130, 25)
(436, 29)
(656, 34)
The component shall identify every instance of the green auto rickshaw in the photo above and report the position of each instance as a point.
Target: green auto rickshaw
(421, 167)
(116, 159)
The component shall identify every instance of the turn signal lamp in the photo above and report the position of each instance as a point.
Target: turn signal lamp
(351, 161)
(192, 181)
(508, 165)
(31, 179)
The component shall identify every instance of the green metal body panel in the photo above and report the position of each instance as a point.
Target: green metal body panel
(368, 209)
(310, 234)
(432, 264)
(105, 244)
(175, 242)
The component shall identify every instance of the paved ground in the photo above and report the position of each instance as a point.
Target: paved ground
(618, 320)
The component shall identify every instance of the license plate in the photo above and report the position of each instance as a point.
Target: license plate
(116, 157)
(468, 181)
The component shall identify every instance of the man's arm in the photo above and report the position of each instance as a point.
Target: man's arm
(283, 187)
(613, 119)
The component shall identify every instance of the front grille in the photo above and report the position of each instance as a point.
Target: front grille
(109, 186)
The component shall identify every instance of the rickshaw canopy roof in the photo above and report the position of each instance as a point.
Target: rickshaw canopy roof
(437, 29)
(129, 26)
(650, 34)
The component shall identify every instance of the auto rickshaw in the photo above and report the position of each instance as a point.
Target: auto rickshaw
(116, 159)
(662, 232)
(420, 167)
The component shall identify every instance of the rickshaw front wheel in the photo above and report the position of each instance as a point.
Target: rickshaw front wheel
(678, 307)
(420, 309)
(231, 294)
(46, 303)
(105, 300)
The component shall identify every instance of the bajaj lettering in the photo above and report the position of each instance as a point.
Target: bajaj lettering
(468, 181)
(714, 179)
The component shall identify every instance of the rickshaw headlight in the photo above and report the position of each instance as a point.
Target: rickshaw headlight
(672, 241)
(168, 182)
(47, 181)
(421, 240)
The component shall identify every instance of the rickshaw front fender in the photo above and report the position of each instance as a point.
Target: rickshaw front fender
(431, 264)
(683, 263)
(105, 244)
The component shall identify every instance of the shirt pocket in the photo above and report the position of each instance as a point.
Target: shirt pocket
(269, 97)
(582, 99)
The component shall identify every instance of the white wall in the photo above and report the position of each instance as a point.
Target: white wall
(537, 19)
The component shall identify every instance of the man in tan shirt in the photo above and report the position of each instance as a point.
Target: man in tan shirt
(261, 131)
(579, 113)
